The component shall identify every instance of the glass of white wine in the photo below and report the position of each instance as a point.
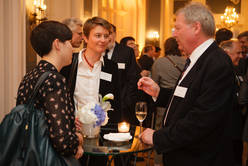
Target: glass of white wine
(141, 112)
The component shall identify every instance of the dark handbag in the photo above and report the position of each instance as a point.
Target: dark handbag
(24, 139)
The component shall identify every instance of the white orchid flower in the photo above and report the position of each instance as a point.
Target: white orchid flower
(106, 106)
(108, 97)
(105, 121)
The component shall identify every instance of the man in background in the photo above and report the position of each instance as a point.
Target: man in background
(130, 42)
(146, 59)
(234, 50)
(243, 63)
(75, 25)
(243, 38)
(157, 53)
(128, 76)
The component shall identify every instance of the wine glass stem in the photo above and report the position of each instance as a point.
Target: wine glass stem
(140, 126)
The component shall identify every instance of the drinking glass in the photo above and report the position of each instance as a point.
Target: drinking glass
(141, 112)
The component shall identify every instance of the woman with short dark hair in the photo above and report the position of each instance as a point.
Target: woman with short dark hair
(51, 41)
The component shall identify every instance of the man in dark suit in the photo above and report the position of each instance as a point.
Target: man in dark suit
(146, 60)
(243, 63)
(234, 50)
(128, 76)
(196, 128)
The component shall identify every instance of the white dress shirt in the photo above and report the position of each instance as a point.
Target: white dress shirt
(87, 82)
(195, 55)
(110, 52)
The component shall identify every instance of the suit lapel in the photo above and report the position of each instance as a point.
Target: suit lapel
(105, 68)
(189, 78)
(114, 54)
(194, 70)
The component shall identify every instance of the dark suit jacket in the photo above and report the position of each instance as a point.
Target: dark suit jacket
(128, 78)
(145, 62)
(197, 129)
(105, 86)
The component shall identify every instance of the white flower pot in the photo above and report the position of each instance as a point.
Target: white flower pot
(89, 131)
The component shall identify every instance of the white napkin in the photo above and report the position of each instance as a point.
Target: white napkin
(117, 137)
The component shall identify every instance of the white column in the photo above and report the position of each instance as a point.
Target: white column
(12, 30)
(141, 23)
(77, 8)
(166, 21)
(2, 82)
(95, 7)
(59, 9)
(202, 1)
(244, 15)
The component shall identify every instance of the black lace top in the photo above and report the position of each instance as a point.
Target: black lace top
(54, 99)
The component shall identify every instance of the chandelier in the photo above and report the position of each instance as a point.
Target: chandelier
(39, 12)
(230, 17)
(153, 35)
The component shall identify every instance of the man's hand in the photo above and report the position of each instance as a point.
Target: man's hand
(147, 136)
(149, 86)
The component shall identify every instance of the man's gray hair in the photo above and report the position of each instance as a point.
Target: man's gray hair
(72, 23)
(197, 12)
(228, 44)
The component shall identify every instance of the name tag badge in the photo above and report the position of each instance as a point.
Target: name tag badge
(121, 65)
(106, 76)
(180, 91)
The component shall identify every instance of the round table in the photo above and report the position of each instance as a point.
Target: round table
(101, 147)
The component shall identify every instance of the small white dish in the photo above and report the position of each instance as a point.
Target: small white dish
(117, 137)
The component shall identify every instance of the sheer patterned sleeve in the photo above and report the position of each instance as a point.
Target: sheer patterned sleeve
(59, 112)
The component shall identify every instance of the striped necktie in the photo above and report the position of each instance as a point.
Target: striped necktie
(186, 66)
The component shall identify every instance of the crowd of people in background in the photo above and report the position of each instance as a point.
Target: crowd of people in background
(106, 66)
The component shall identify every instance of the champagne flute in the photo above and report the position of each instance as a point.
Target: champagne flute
(141, 112)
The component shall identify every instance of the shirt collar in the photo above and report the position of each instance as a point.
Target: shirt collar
(110, 52)
(195, 55)
(102, 60)
(200, 50)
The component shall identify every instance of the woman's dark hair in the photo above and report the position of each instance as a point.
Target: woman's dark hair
(45, 33)
(124, 40)
(171, 47)
(223, 34)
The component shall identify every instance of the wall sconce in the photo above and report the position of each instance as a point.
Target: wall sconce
(153, 36)
(230, 17)
(39, 12)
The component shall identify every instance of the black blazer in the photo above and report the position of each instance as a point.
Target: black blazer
(145, 62)
(70, 72)
(128, 78)
(197, 130)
